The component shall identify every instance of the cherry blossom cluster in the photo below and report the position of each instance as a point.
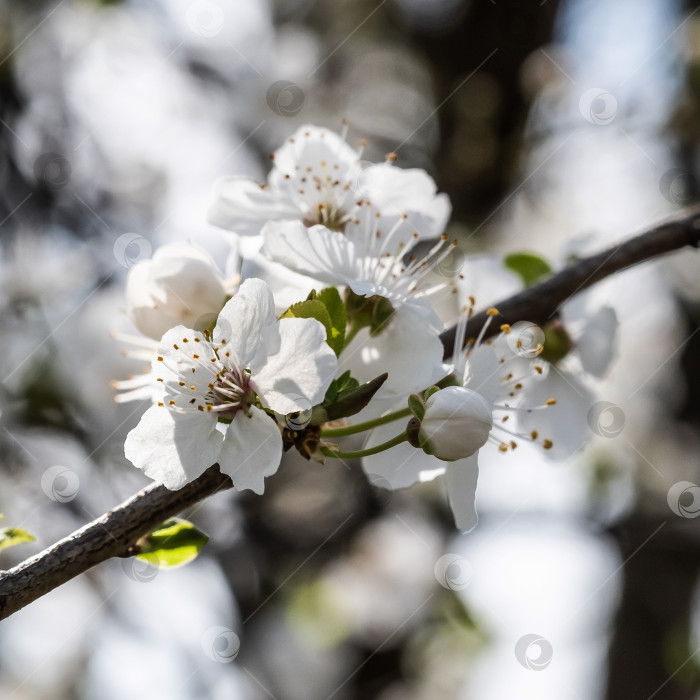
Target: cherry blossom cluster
(328, 331)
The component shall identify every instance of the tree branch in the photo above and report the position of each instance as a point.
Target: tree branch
(116, 532)
(112, 535)
(541, 303)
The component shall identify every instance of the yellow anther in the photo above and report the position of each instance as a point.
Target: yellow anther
(534, 434)
(492, 311)
(550, 402)
(547, 444)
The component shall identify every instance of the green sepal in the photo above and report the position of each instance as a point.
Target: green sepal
(416, 406)
(347, 400)
(430, 391)
(557, 343)
(175, 542)
(528, 266)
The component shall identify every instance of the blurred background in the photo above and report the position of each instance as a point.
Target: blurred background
(555, 126)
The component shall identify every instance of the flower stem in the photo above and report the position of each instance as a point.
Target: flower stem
(367, 452)
(365, 425)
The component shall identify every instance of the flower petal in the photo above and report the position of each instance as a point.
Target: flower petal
(565, 423)
(298, 375)
(462, 477)
(401, 465)
(597, 342)
(243, 206)
(482, 373)
(318, 252)
(171, 447)
(248, 323)
(251, 451)
(409, 349)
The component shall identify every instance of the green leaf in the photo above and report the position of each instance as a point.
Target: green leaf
(315, 308)
(352, 399)
(174, 543)
(333, 302)
(528, 266)
(10, 536)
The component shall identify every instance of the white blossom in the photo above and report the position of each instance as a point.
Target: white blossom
(212, 383)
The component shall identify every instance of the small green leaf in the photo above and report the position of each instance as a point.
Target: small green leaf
(315, 308)
(528, 266)
(352, 399)
(10, 536)
(174, 543)
(333, 302)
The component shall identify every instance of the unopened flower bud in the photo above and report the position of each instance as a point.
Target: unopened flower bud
(456, 424)
(178, 285)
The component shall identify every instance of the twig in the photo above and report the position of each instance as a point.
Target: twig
(541, 303)
(116, 532)
(112, 535)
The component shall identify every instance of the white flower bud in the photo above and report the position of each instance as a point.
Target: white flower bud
(180, 284)
(456, 424)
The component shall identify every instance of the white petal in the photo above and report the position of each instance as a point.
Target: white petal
(565, 423)
(396, 191)
(171, 447)
(252, 450)
(248, 323)
(316, 251)
(462, 477)
(409, 349)
(401, 465)
(243, 206)
(297, 377)
(482, 373)
(597, 342)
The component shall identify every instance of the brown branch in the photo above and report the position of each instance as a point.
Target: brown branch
(116, 532)
(112, 535)
(541, 303)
